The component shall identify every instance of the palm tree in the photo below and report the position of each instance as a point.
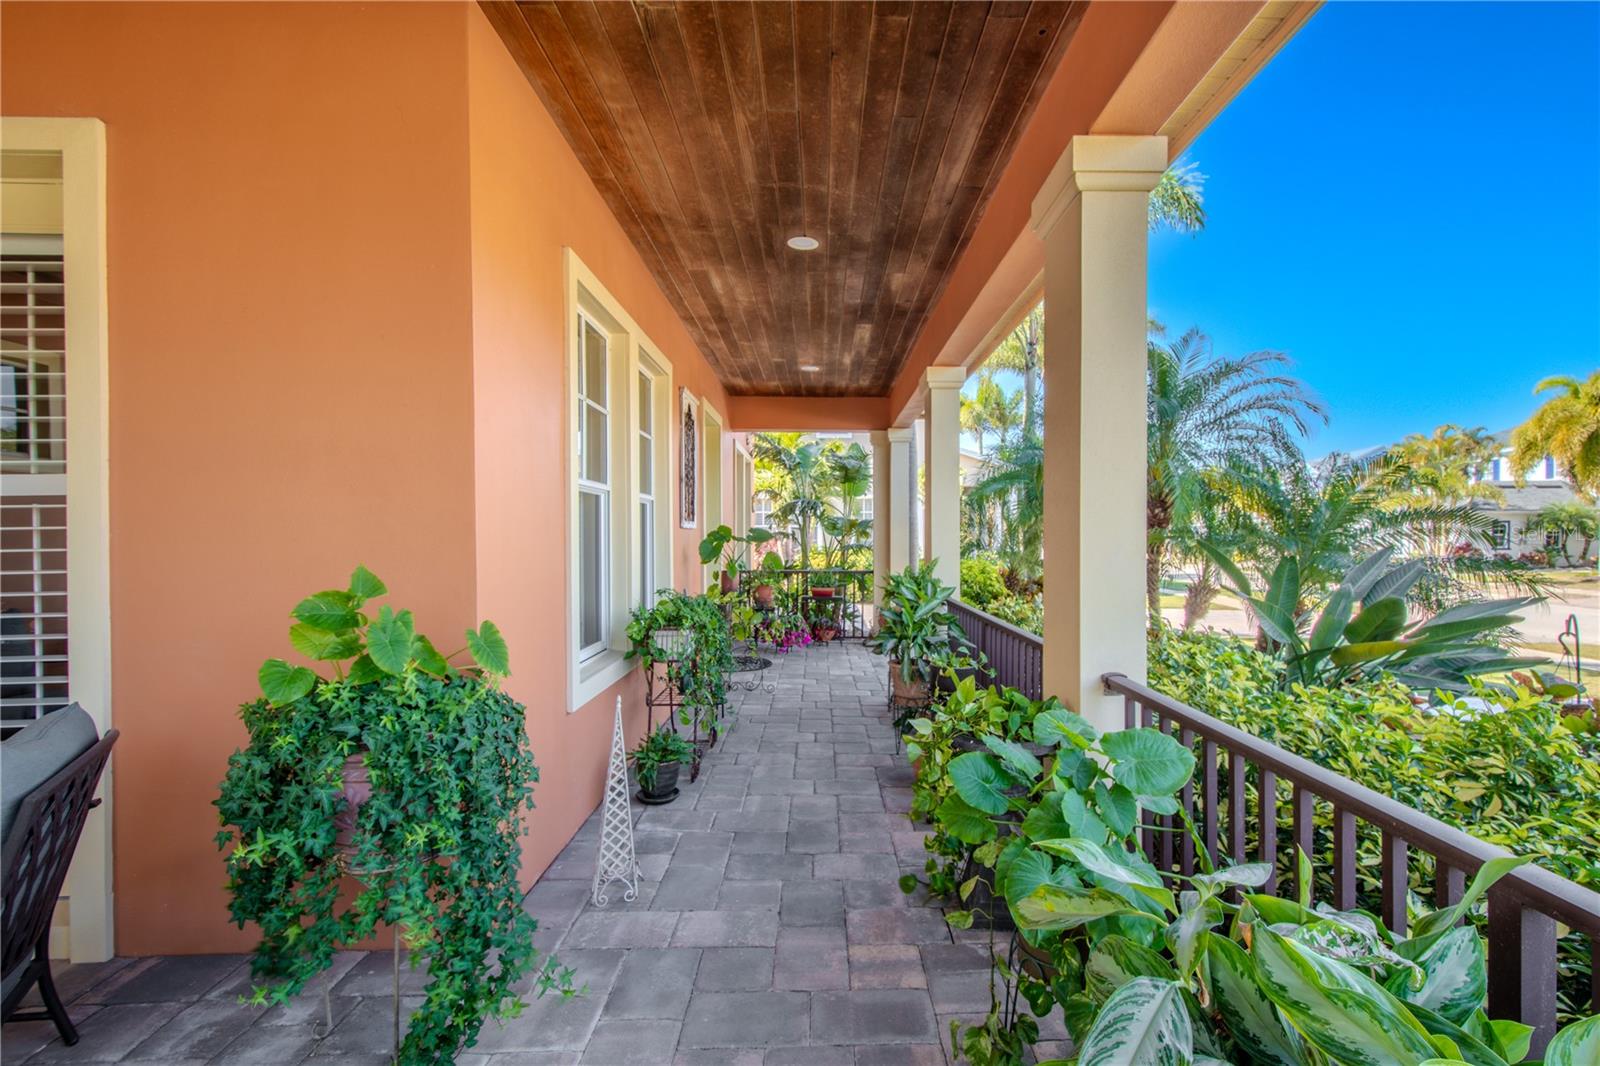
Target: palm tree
(1444, 467)
(1023, 351)
(1013, 483)
(989, 410)
(1569, 520)
(1211, 413)
(800, 482)
(1177, 203)
(1566, 428)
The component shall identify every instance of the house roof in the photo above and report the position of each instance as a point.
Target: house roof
(1533, 496)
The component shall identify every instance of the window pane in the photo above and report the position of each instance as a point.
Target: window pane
(594, 364)
(647, 552)
(647, 411)
(647, 472)
(591, 583)
(595, 445)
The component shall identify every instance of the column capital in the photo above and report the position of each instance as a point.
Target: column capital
(1098, 163)
(900, 434)
(945, 377)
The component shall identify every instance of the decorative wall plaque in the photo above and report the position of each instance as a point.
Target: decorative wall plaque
(689, 453)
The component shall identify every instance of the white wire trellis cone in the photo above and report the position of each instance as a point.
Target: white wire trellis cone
(616, 861)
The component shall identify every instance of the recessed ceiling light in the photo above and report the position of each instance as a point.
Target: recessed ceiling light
(810, 368)
(802, 243)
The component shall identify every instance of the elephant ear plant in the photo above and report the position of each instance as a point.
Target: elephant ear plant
(435, 846)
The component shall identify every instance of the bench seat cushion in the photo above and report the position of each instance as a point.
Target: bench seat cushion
(35, 753)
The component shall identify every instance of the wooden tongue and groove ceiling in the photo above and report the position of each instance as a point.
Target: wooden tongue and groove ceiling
(718, 130)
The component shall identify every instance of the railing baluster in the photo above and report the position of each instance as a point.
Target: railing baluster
(1167, 821)
(1449, 884)
(1594, 975)
(1304, 814)
(1522, 966)
(1208, 765)
(1129, 712)
(1344, 860)
(1393, 878)
(1238, 801)
(1268, 796)
(1186, 800)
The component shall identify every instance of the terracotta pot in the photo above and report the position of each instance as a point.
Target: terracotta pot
(824, 631)
(727, 583)
(763, 595)
(357, 790)
(903, 691)
(824, 592)
(1035, 962)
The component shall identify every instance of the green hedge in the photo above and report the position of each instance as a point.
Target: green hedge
(1516, 777)
(981, 583)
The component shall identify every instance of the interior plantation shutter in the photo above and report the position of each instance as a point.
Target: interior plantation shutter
(33, 486)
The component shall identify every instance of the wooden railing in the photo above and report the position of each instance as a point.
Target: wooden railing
(1224, 804)
(1237, 770)
(1013, 657)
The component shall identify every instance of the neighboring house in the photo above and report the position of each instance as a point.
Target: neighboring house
(1542, 487)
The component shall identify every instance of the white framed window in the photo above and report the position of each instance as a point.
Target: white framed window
(1499, 535)
(619, 456)
(761, 511)
(1553, 539)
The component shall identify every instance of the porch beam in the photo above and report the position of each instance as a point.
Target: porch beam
(1091, 215)
(942, 520)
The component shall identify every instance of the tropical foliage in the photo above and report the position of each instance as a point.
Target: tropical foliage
(814, 484)
(700, 676)
(1364, 627)
(1566, 428)
(1571, 521)
(1206, 415)
(436, 846)
(917, 631)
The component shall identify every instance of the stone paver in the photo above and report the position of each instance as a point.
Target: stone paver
(770, 930)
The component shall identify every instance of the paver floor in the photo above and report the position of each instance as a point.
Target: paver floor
(769, 929)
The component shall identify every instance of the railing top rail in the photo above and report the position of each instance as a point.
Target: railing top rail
(1535, 886)
(1000, 624)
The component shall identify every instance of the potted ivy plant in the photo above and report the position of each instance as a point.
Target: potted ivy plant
(361, 771)
(655, 764)
(699, 669)
(917, 632)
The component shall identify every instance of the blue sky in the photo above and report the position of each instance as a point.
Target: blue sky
(1407, 202)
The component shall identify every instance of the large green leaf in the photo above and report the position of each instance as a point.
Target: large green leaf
(488, 649)
(364, 585)
(1458, 1041)
(389, 640)
(1115, 960)
(1189, 932)
(1015, 756)
(963, 821)
(1360, 578)
(1082, 821)
(1113, 868)
(1474, 610)
(282, 683)
(1455, 977)
(1464, 628)
(1335, 1007)
(1118, 807)
(1383, 620)
(1148, 761)
(1576, 1045)
(1051, 907)
(1057, 725)
(1369, 651)
(1430, 927)
(330, 611)
(427, 656)
(1249, 1014)
(1330, 624)
(1144, 1024)
(321, 645)
(1396, 583)
(1044, 822)
(1283, 592)
(979, 780)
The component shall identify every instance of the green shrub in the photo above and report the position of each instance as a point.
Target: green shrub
(1024, 612)
(980, 583)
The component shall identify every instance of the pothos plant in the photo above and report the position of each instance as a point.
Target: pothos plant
(436, 846)
(1151, 968)
(700, 677)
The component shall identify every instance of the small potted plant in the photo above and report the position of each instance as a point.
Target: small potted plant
(823, 616)
(732, 547)
(917, 632)
(762, 592)
(655, 764)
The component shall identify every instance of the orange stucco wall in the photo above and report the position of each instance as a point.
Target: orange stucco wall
(334, 246)
(530, 199)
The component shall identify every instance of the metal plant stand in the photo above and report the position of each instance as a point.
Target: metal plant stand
(661, 694)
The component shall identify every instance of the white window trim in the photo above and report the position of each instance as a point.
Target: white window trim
(82, 144)
(710, 418)
(662, 421)
(628, 352)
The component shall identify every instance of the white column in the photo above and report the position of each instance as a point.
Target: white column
(902, 494)
(943, 485)
(1091, 214)
(880, 512)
